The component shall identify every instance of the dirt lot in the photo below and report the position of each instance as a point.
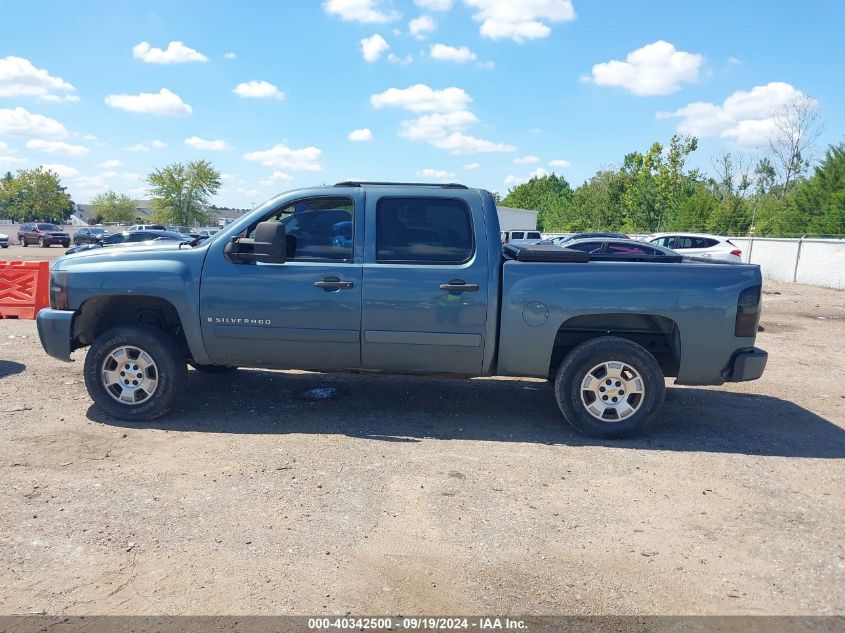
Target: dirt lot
(403, 495)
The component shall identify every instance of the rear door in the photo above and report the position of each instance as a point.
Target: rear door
(425, 283)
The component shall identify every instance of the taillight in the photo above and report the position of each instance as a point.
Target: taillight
(747, 312)
(736, 252)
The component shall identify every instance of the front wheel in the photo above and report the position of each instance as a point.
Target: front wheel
(135, 372)
(610, 388)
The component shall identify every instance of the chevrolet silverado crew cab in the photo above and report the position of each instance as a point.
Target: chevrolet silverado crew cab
(401, 278)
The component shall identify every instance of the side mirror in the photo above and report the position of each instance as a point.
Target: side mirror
(268, 247)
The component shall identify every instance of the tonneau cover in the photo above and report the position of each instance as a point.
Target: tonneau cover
(543, 253)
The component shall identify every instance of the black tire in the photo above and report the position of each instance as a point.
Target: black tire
(76, 241)
(168, 356)
(214, 369)
(22, 240)
(573, 399)
(42, 243)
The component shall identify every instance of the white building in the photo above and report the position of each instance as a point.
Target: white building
(511, 219)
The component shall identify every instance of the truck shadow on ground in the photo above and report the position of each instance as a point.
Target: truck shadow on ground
(409, 409)
(10, 368)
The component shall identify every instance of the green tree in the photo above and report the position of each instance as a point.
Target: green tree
(657, 182)
(693, 212)
(34, 194)
(114, 207)
(182, 191)
(599, 204)
(549, 195)
(820, 200)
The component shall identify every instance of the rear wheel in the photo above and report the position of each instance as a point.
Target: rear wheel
(135, 372)
(610, 388)
(76, 241)
(42, 243)
(22, 240)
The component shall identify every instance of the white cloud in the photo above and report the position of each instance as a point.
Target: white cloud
(161, 103)
(512, 180)
(443, 52)
(62, 170)
(560, 164)
(20, 78)
(21, 122)
(175, 53)
(364, 134)
(490, 65)
(421, 98)
(421, 26)
(400, 60)
(3, 146)
(283, 157)
(436, 174)
(434, 5)
(229, 55)
(280, 176)
(526, 160)
(518, 21)
(56, 147)
(655, 69)
(200, 143)
(364, 11)
(446, 122)
(57, 98)
(258, 89)
(8, 160)
(146, 147)
(110, 164)
(446, 131)
(745, 116)
(471, 166)
(372, 47)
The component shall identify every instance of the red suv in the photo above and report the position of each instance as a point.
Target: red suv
(42, 234)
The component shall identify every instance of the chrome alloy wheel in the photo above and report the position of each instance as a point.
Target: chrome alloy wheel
(129, 375)
(612, 391)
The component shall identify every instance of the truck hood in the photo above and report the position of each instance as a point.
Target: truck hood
(141, 251)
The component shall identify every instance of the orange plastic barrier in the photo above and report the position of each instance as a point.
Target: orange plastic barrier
(24, 289)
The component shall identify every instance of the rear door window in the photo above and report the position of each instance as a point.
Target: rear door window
(424, 231)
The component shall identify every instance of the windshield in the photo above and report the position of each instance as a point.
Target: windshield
(116, 239)
(48, 227)
(98, 231)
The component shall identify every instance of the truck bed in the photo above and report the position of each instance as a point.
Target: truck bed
(689, 306)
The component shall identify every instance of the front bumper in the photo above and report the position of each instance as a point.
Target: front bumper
(748, 365)
(55, 329)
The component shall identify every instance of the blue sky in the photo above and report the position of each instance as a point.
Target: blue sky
(484, 92)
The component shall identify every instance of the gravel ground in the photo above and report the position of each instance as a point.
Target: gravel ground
(299, 493)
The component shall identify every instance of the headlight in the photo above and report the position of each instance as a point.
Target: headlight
(58, 290)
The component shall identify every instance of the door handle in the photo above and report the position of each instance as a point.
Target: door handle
(333, 283)
(459, 285)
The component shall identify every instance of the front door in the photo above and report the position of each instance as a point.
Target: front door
(304, 313)
(425, 285)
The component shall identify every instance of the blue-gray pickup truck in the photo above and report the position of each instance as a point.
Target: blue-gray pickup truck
(388, 277)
